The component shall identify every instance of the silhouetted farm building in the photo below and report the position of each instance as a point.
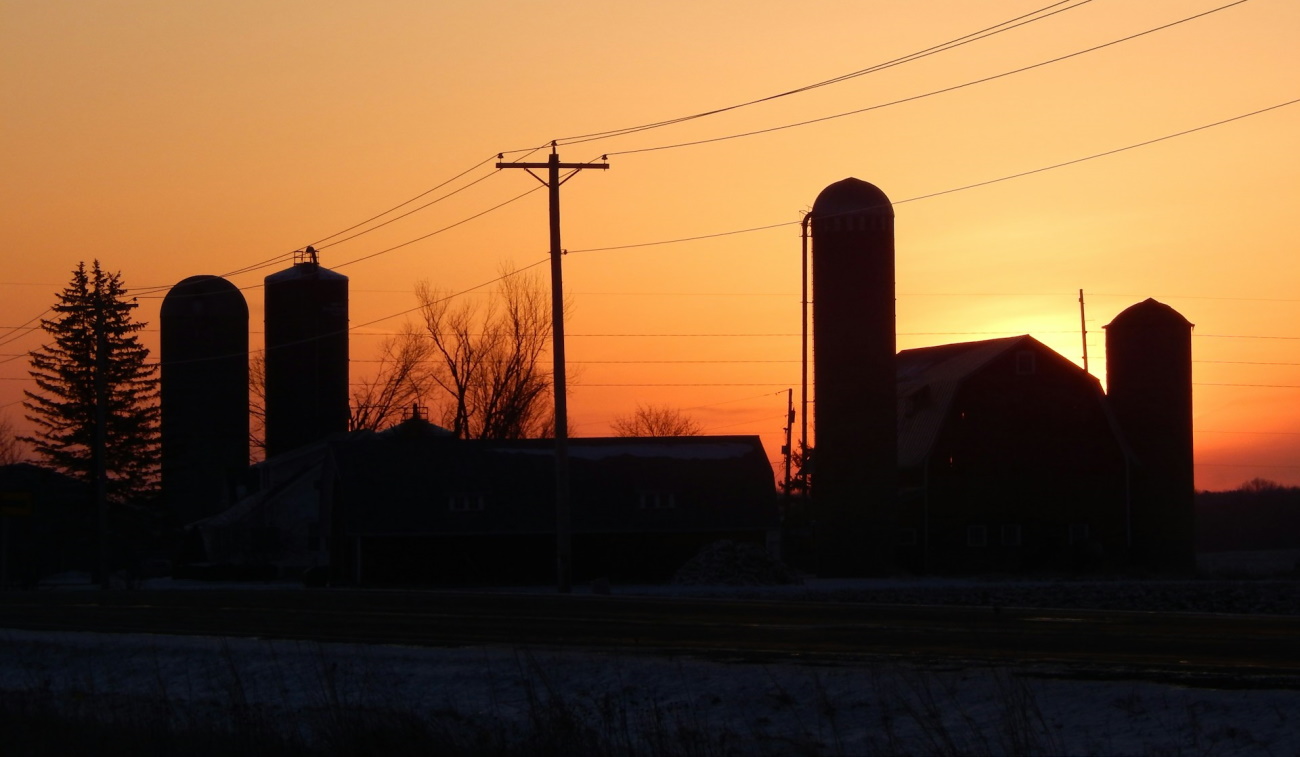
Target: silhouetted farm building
(413, 505)
(853, 334)
(47, 524)
(306, 354)
(1149, 377)
(1009, 460)
(998, 455)
(204, 355)
(1010, 456)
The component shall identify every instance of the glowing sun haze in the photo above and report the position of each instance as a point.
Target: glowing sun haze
(172, 139)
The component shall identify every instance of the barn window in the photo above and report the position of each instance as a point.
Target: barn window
(977, 536)
(465, 502)
(1078, 533)
(1011, 535)
(1025, 363)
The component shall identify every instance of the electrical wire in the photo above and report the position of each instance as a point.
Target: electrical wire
(914, 98)
(19, 332)
(320, 243)
(331, 334)
(987, 182)
(394, 219)
(1008, 25)
(448, 227)
(395, 247)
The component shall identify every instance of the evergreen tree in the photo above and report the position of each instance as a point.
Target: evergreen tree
(95, 367)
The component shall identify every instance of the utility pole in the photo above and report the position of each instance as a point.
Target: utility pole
(563, 506)
(803, 359)
(789, 431)
(1083, 326)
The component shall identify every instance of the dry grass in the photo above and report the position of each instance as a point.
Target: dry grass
(305, 699)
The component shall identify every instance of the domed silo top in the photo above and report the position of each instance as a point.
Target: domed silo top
(204, 295)
(851, 197)
(1149, 313)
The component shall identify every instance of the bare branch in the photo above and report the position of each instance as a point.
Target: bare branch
(656, 420)
(486, 360)
(11, 448)
(400, 381)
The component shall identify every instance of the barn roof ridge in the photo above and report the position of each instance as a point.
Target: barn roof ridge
(928, 380)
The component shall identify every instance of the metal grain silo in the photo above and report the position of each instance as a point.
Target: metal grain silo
(1149, 387)
(204, 395)
(306, 354)
(856, 446)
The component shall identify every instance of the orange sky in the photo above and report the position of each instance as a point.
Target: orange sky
(171, 139)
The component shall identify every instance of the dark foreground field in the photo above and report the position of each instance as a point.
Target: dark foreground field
(292, 671)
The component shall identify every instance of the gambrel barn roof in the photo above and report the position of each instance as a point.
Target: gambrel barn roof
(929, 379)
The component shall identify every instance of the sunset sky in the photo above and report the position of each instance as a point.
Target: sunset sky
(169, 139)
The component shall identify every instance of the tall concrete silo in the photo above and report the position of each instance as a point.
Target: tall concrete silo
(306, 354)
(204, 395)
(1149, 386)
(855, 458)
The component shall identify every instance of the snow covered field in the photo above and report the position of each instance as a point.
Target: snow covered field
(522, 701)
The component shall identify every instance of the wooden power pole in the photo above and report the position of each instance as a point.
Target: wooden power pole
(1083, 328)
(563, 506)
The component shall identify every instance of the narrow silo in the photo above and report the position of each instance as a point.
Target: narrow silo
(306, 354)
(204, 395)
(1149, 387)
(855, 458)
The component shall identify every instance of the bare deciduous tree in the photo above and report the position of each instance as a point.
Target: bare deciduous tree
(656, 420)
(400, 381)
(486, 359)
(257, 406)
(1258, 484)
(11, 448)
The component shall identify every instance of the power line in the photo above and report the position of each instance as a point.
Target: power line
(394, 219)
(1243, 465)
(393, 248)
(932, 93)
(1243, 363)
(1251, 386)
(763, 419)
(629, 362)
(502, 277)
(448, 227)
(586, 385)
(320, 243)
(1014, 23)
(274, 260)
(794, 334)
(1242, 336)
(729, 402)
(963, 188)
(1262, 433)
(282, 257)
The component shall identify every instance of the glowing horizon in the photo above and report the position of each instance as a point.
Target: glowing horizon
(173, 140)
